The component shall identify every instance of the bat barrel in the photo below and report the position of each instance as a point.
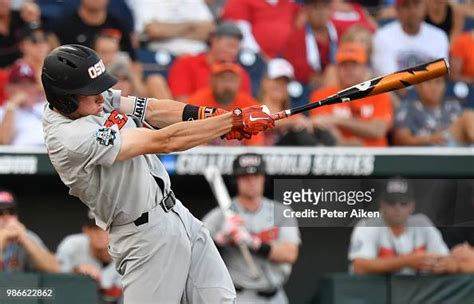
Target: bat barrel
(411, 76)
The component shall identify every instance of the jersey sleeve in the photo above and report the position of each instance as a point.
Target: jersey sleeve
(433, 238)
(289, 232)
(214, 221)
(64, 254)
(89, 143)
(363, 243)
(30, 265)
(111, 100)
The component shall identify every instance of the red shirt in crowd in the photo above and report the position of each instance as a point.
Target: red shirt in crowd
(188, 74)
(204, 97)
(366, 109)
(343, 20)
(272, 21)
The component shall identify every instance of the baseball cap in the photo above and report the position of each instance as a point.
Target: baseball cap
(249, 163)
(21, 71)
(398, 190)
(221, 67)
(228, 29)
(280, 68)
(351, 51)
(7, 201)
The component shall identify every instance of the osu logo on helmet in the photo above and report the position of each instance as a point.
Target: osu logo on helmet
(96, 70)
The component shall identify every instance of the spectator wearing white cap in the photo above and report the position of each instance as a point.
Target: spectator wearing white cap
(296, 130)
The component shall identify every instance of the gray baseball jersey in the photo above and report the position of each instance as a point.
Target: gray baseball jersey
(371, 239)
(259, 223)
(75, 250)
(83, 152)
(168, 259)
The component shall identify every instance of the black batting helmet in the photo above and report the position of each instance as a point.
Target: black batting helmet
(249, 163)
(71, 70)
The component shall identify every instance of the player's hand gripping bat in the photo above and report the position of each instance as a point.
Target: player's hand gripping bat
(214, 178)
(379, 85)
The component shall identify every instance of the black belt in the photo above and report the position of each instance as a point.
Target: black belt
(167, 203)
(263, 293)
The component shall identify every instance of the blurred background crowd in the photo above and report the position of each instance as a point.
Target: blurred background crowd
(236, 53)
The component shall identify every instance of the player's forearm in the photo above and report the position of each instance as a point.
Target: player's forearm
(283, 252)
(42, 258)
(189, 134)
(403, 137)
(378, 265)
(200, 31)
(373, 129)
(177, 137)
(162, 30)
(6, 127)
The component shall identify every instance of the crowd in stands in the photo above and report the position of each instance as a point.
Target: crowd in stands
(234, 53)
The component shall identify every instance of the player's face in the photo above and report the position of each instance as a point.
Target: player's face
(396, 214)
(108, 49)
(351, 73)
(225, 86)
(36, 47)
(225, 49)
(411, 14)
(7, 216)
(95, 5)
(90, 105)
(99, 238)
(276, 91)
(251, 186)
(318, 13)
(431, 92)
(5, 6)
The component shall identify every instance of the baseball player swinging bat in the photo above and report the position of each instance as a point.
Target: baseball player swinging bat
(214, 178)
(379, 85)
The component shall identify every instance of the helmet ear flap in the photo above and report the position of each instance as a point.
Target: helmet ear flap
(64, 103)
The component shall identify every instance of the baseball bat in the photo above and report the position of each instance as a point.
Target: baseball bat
(379, 85)
(214, 178)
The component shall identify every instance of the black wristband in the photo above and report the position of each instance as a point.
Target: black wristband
(264, 250)
(190, 112)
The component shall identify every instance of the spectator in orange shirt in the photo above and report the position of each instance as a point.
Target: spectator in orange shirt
(462, 58)
(223, 92)
(188, 74)
(363, 122)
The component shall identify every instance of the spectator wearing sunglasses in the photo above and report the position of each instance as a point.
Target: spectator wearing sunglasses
(399, 241)
(21, 250)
